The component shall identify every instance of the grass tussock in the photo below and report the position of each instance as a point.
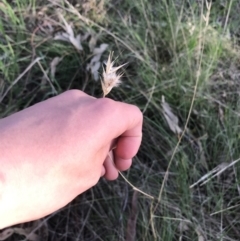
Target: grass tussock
(186, 51)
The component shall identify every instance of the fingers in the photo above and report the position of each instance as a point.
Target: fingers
(111, 172)
(124, 123)
(130, 139)
(122, 164)
(125, 134)
(103, 171)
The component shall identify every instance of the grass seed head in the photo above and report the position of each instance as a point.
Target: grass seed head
(110, 78)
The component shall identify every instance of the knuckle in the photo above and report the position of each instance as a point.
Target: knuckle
(73, 93)
(138, 115)
(106, 105)
(106, 102)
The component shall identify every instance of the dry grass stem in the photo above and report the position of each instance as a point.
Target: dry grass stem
(125, 179)
(199, 64)
(135, 188)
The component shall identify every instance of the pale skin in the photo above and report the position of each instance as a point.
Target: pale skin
(57, 149)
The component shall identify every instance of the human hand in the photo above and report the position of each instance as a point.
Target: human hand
(55, 150)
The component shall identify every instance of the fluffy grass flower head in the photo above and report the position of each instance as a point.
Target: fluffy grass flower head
(110, 78)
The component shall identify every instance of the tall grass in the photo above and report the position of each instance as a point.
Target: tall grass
(186, 51)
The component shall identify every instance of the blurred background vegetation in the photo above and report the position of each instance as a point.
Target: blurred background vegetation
(183, 72)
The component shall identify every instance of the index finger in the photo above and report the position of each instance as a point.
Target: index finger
(128, 133)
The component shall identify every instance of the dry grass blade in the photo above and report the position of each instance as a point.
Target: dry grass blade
(53, 65)
(209, 174)
(131, 226)
(170, 117)
(95, 63)
(215, 172)
(224, 210)
(69, 35)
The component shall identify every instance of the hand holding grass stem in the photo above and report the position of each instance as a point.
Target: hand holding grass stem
(111, 79)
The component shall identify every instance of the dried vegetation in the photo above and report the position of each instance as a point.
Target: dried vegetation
(183, 72)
